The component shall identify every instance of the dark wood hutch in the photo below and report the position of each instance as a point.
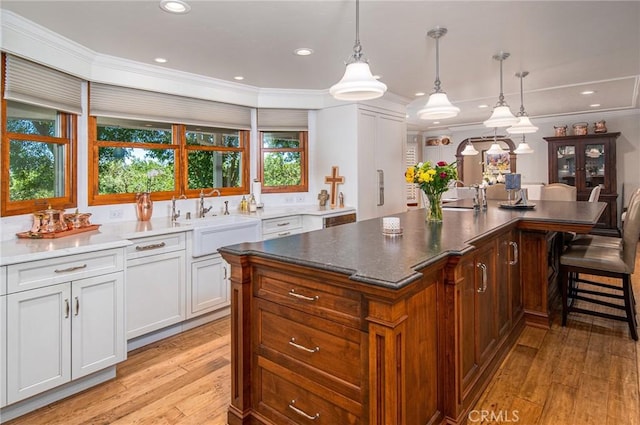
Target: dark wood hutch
(585, 162)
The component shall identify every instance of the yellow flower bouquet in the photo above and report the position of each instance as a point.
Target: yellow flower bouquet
(433, 181)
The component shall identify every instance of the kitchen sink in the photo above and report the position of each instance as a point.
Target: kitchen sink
(210, 233)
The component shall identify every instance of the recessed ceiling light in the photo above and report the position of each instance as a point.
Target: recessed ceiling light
(594, 105)
(587, 92)
(174, 6)
(420, 93)
(436, 122)
(160, 60)
(238, 77)
(377, 77)
(483, 106)
(303, 51)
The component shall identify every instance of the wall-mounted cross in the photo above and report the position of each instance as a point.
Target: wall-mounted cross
(334, 180)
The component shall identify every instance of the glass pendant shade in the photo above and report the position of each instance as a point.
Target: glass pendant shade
(358, 84)
(523, 126)
(495, 149)
(438, 107)
(469, 150)
(501, 117)
(523, 148)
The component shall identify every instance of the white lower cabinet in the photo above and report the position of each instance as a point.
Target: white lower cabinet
(209, 288)
(63, 332)
(3, 363)
(156, 283)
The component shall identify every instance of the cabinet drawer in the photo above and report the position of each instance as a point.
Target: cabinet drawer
(315, 298)
(279, 225)
(36, 274)
(281, 233)
(284, 401)
(152, 245)
(317, 343)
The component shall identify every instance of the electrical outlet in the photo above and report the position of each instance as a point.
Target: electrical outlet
(288, 200)
(115, 214)
(300, 198)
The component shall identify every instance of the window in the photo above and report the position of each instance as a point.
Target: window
(131, 156)
(38, 158)
(283, 165)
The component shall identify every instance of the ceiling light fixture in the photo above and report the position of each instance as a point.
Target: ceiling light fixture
(483, 106)
(160, 60)
(594, 105)
(587, 92)
(524, 124)
(420, 93)
(238, 78)
(523, 147)
(495, 148)
(469, 150)
(501, 116)
(357, 83)
(303, 51)
(175, 6)
(438, 106)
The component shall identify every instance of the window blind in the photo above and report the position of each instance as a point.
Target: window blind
(29, 82)
(283, 119)
(122, 102)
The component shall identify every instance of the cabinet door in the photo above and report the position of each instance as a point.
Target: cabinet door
(209, 288)
(517, 308)
(97, 328)
(38, 341)
(567, 168)
(155, 292)
(486, 296)
(503, 285)
(3, 345)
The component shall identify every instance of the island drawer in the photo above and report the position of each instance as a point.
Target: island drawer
(152, 245)
(302, 402)
(276, 226)
(40, 273)
(312, 297)
(312, 346)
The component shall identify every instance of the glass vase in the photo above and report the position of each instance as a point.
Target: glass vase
(434, 208)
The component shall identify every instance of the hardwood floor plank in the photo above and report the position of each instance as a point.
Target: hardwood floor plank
(559, 405)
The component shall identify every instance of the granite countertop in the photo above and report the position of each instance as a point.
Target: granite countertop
(361, 251)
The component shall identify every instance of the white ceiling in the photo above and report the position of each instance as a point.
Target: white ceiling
(567, 46)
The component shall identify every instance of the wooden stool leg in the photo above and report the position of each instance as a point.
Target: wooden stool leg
(628, 303)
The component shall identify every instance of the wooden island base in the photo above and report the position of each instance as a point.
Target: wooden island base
(312, 345)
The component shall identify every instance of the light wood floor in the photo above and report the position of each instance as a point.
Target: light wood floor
(585, 373)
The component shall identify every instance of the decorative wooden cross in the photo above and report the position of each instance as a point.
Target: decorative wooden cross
(334, 180)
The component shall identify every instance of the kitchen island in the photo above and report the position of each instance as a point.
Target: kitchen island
(349, 326)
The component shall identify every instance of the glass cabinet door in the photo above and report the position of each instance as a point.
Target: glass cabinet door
(566, 164)
(594, 160)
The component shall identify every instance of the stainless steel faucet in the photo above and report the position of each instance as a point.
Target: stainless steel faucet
(202, 210)
(175, 215)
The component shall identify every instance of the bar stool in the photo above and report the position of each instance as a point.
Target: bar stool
(603, 261)
(596, 240)
(558, 192)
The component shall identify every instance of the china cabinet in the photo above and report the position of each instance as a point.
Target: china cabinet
(585, 162)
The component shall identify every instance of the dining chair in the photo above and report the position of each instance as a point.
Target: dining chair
(616, 264)
(558, 192)
(497, 192)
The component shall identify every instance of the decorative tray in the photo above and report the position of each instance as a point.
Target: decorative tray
(54, 235)
(517, 206)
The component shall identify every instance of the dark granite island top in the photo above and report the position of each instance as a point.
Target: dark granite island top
(361, 251)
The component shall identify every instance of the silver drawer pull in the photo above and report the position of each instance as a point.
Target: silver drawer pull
(284, 233)
(515, 253)
(302, 413)
(71, 269)
(483, 289)
(66, 310)
(293, 293)
(77, 306)
(283, 224)
(152, 246)
(302, 347)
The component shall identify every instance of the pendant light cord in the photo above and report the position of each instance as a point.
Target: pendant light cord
(501, 97)
(357, 48)
(437, 82)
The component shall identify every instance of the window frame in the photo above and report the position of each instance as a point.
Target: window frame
(303, 149)
(181, 154)
(68, 130)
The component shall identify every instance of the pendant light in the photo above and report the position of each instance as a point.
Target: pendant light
(469, 150)
(438, 106)
(501, 116)
(358, 82)
(524, 124)
(523, 147)
(495, 148)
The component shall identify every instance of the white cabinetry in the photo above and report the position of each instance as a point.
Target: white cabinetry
(156, 279)
(209, 288)
(62, 331)
(367, 143)
(283, 226)
(3, 336)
